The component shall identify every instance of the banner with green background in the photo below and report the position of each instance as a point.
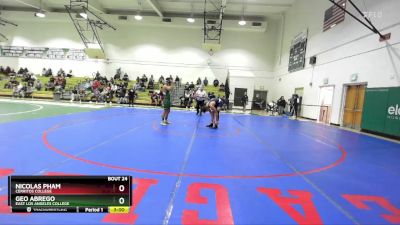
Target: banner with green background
(382, 110)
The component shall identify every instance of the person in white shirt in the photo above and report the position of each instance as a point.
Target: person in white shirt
(200, 98)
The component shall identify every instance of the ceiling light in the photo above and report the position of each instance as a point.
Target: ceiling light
(138, 17)
(40, 14)
(83, 15)
(242, 22)
(191, 20)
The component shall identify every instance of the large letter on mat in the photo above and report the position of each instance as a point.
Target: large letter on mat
(360, 200)
(4, 208)
(224, 213)
(302, 198)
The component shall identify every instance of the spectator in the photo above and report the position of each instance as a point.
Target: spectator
(131, 96)
(155, 98)
(150, 85)
(187, 86)
(205, 82)
(70, 74)
(26, 77)
(294, 105)
(177, 80)
(8, 85)
(142, 85)
(198, 81)
(144, 78)
(16, 87)
(105, 94)
(222, 87)
(258, 101)
(200, 98)
(137, 79)
(31, 80)
(44, 72)
(48, 73)
(114, 89)
(245, 100)
(189, 98)
(211, 95)
(96, 84)
(184, 99)
(20, 71)
(216, 82)
(20, 90)
(281, 105)
(60, 72)
(118, 74)
(139, 86)
(191, 86)
(50, 85)
(122, 95)
(28, 91)
(126, 84)
(161, 80)
(74, 93)
(151, 79)
(8, 71)
(126, 77)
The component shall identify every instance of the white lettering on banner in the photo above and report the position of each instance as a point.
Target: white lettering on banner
(394, 112)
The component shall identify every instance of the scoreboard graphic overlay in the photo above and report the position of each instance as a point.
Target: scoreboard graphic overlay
(72, 194)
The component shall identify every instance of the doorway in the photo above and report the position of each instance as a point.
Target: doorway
(353, 107)
(239, 93)
(299, 91)
(325, 104)
(259, 100)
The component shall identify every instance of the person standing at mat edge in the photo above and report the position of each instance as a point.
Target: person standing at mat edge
(166, 91)
(245, 100)
(200, 98)
(131, 96)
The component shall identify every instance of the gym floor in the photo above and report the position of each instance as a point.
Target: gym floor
(252, 170)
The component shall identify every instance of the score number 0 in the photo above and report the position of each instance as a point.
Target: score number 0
(121, 200)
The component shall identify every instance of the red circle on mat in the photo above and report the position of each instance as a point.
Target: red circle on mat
(166, 173)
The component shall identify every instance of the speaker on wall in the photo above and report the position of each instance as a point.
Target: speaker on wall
(313, 60)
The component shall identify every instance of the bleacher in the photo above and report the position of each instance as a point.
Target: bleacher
(142, 97)
(177, 93)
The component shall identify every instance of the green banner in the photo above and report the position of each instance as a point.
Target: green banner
(381, 111)
(392, 125)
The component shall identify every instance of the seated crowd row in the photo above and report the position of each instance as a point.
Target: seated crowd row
(100, 88)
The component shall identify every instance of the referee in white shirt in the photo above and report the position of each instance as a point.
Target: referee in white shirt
(200, 98)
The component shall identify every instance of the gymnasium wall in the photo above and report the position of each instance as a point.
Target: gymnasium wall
(157, 49)
(346, 49)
